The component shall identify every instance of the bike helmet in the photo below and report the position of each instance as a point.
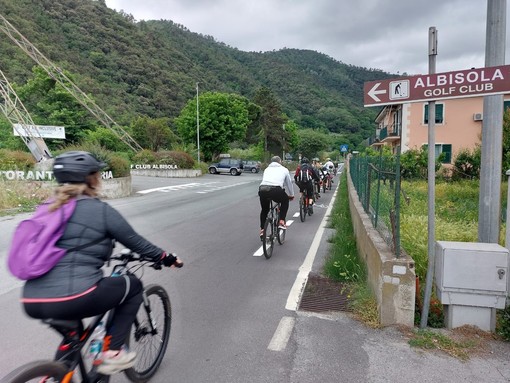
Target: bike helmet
(305, 160)
(75, 166)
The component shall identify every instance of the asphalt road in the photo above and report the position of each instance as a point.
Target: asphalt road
(228, 301)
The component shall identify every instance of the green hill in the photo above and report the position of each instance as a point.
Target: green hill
(152, 67)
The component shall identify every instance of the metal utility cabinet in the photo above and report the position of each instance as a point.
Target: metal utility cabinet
(471, 281)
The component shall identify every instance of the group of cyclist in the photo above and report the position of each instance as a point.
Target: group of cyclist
(277, 185)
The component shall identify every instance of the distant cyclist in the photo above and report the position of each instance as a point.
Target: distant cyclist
(330, 166)
(305, 177)
(276, 185)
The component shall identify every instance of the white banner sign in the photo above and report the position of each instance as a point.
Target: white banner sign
(44, 131)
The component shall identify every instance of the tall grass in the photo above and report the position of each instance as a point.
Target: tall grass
(19, 196)
(343, 263)
(456, 217)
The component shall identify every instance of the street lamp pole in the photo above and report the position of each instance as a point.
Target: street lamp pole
(198, 130)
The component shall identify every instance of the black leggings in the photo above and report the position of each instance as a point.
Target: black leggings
(276, 194)
(108, 294)
(308, 187)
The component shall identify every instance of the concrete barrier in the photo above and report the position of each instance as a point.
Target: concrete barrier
(393, 280)
(116, 187)
(168, 173)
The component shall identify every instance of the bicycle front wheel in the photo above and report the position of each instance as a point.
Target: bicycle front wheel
(268, 238)
(42, 371)
(150, 345)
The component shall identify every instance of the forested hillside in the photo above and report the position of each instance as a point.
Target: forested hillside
(151, 67)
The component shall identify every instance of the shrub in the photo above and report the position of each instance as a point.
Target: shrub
(181, 159)
(144, 157)
(16, 160)
(119, 166)
(467, 163)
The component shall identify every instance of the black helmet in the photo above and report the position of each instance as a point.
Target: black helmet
(75, 166)
(305, 160)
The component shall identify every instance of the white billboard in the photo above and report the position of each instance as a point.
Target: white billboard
(44, 130)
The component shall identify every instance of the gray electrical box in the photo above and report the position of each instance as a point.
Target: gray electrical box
(471, 279)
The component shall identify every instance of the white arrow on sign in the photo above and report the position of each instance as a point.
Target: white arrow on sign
(374, 92)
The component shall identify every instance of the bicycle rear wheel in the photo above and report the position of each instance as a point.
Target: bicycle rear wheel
(150, 347)
(41, 371)
(302, 209)
(268, 238)
(281, 236)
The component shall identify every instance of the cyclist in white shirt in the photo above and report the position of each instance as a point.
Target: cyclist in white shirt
(329, 165)
(276, 185)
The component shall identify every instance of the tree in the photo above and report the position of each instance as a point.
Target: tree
(312, 142)
(270, 121)
(50, 104)
(223, 119)
(153, 133)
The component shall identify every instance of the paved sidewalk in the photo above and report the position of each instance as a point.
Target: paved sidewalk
(334, 347)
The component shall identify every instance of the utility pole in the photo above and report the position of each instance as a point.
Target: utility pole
(198, 130)
(492, 130)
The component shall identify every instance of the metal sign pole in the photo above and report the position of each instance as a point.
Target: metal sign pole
(431, 184)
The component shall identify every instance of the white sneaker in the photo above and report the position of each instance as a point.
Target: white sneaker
(116, 361)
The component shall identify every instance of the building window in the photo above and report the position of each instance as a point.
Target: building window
(439, 113)
(506, 105)
(442, 148)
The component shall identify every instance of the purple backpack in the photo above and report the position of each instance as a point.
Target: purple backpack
(33, 249)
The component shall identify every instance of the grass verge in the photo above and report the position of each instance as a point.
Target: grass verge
(343, 263)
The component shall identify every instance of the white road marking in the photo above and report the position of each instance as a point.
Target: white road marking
(216, 188)
(169, 188)
(282, 334)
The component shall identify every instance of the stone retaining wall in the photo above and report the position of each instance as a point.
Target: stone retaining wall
(392, 279)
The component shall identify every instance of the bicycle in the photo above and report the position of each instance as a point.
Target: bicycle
(149, 337)
(271, 231)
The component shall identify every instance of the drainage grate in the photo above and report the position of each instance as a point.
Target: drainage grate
(322, 294)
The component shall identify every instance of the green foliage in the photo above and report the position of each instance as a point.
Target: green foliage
(503, 323)
(312, 142)
(467, 163)
(270, 122)
(107, 139)
(506, 140)
(153, 133)
(252, 153)
(144, 157)
(414, 163)
(223, 119)
(343, 263)
(16, 160)
(50, 104)
(143, 68)
(181, 159)
(119, 166)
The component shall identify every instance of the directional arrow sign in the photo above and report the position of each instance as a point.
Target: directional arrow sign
(374, 92)
(438, 86)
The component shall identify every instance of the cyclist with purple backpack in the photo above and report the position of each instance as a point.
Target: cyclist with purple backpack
(75, 288)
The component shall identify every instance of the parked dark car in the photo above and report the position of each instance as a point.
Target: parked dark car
(234, 166)
(252, 166)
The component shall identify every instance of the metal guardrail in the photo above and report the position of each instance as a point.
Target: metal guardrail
(377, 182)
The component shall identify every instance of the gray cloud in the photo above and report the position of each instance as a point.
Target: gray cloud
(384, 34)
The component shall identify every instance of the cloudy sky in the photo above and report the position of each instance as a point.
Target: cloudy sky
(391, 35)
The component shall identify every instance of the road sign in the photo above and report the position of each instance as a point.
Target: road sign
(438, 86)
(343, 148)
